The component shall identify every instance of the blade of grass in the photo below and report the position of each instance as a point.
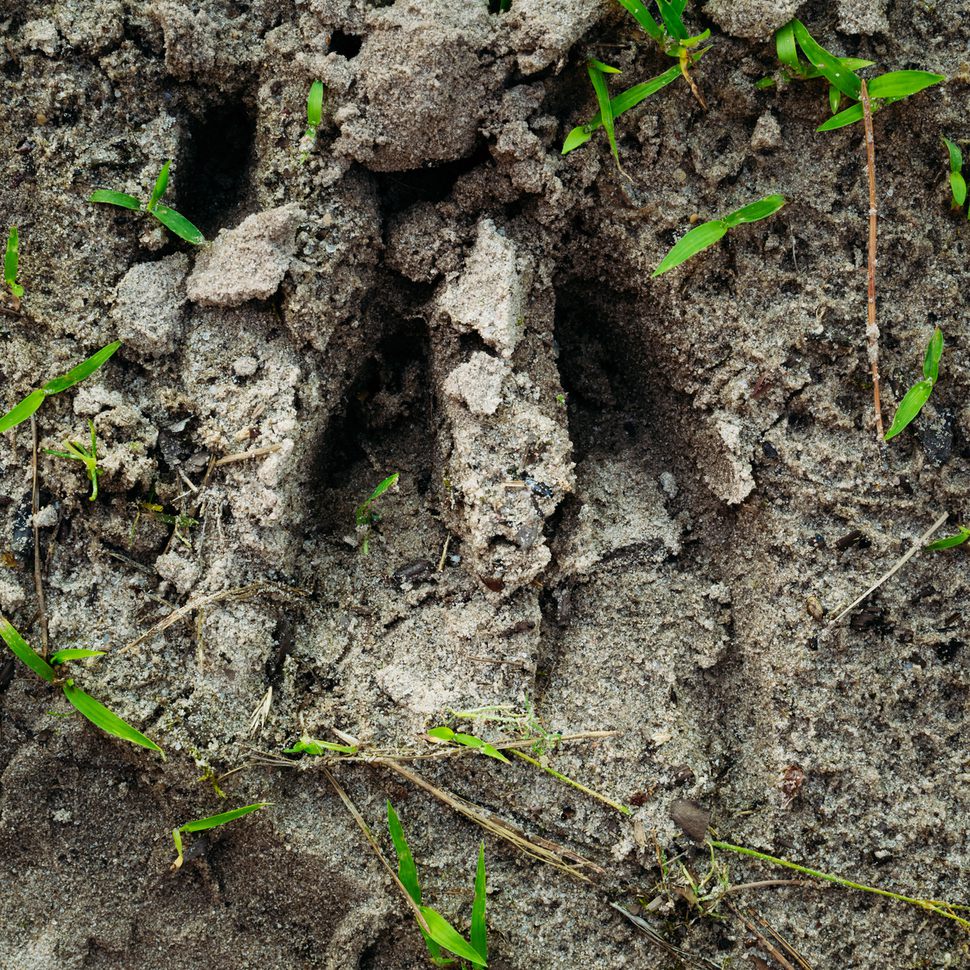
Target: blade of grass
(83, 370)
(443, 933)
(598, 80)
(911, 405)
(72, 653)
(314, 105)
(934, 351)
(901, 84)
(161, 184)
(24, 652)
(828, 64)
(178, 224)
(11, 262)
(698, 239)
(106, 720)
(115, 198)
(950, 542)
(755, 211)
(479, 931)
(22, 411)
(214, 821)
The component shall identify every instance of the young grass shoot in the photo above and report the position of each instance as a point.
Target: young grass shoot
(169, 218)
(840, 73)
(89, 456)
(919, 393)
(28, 406)
(204, 824)
(705, 235)
(437, 932)
(958, 184)
(50, 671)
(366, 516)
(11, 264)
(314, 116)
(673, 39)
(950, 542)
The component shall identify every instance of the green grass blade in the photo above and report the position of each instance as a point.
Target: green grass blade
(696, 240)
(407, 872)
(835, 98)
(11, 262)
(180, 857)
(956, 156)
(63, 656)
(625, 100)
(830, 66)
(847, 117)
(25, 652)
(314, 104)
(388, 482)
(161, 184)
(470, 741)
(446, 936)
(115, 198)
(670, 14)
(178, 224)
(934, 351)
(948, 542)
(83, 370)
(910, 406)
(958, 187)
(223, 818)
(756, 211)
(901, 84)
(104, 719)
(441, 733)
(644, 19)
(787, 49)
(603, 100)
(478, 937)
(20, 412)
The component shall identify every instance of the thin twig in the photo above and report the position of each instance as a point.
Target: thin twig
(768, 883)
(769, 949)
(623, 809)
(872, 329)
(35, 509)
(544, 850)
(917, 546)
(644, 927)
(799, 959)
(246, 455)
(372, 841)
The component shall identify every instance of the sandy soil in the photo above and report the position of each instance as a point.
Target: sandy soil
(655, 494)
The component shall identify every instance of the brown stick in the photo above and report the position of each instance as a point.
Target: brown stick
(38, 571)
(872, 330)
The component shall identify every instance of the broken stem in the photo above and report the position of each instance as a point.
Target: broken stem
(872, 330)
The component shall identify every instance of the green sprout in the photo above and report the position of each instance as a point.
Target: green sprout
(795, 69)
(672, 37)
(438, 933)
(314, 116)
(958, 184)
(313, 747)
(949, 542)
(212, 822)
(919, 393)
(93, 710)
(468, 741)
(366, 517)
(708, 233)
(840, 73)
(78, 452)
(167, 217)
(11, 261)
(22, 411)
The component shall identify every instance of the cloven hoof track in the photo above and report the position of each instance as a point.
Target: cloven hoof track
(648, 488)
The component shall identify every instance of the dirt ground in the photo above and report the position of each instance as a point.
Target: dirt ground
(655, 494)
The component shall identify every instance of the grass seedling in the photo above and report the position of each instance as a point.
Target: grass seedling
(919, 393)
(366, 516)
(949, 542)
(468, 741)
(437, 932)
(212, 822)
(11, 263)
(317, 748)
(49, 670)
(22, 411)
(673, 39)
(958, 184)
(314, 116)
(77, 452)
(708, 233)
(840, 73)
(169, 218)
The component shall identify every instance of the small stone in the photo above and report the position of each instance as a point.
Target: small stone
(692, 818)
(767, 133)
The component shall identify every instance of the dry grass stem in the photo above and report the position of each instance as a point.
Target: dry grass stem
(872, 329)
(38, 569)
